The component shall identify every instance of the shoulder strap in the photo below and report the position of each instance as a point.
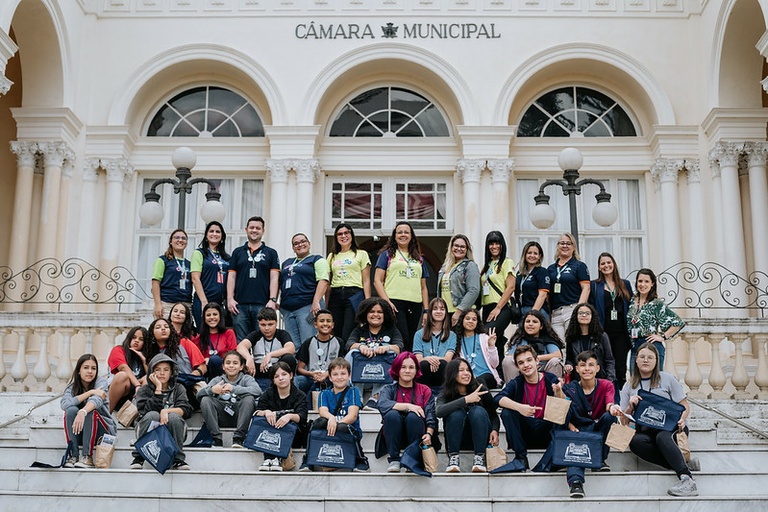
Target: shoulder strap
(495, 288)
(340, 401)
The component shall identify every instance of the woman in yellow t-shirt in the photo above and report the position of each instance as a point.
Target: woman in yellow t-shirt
(401, 279)
(497, 284)
(350, 279)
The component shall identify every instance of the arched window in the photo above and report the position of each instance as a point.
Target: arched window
(206, 112)
(576, 112)
(389, 112)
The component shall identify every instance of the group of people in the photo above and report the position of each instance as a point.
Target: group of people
(449, 352)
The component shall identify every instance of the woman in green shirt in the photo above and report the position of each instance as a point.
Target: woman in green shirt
(649, 318)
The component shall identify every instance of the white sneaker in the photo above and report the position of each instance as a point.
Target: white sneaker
(70, 462)
(453, 464)
(478, 464)
(276, 465)
(685, 487)
(85, 462)
(394, 466)
(266, 465)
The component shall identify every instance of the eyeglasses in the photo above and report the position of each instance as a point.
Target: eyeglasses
(343, 233)
(182, 238)
(585, 313)
(300, 242)
(460, 247)
(564, 243)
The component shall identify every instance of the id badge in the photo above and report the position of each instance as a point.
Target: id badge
(614, 315)
(635, 332)
(409, 273)
(182, 284)
(287, 283)
(252, 273)
(229, 410)
(557, 287)
(486, 289)
(220, 278)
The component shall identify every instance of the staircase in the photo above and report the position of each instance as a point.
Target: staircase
(734, 475)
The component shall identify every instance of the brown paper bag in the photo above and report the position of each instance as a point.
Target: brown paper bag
(289, 462)
(127, 414)
(495, 457)
(556, 409)
(102, 457)
(619, 437)
(315, 400)
(199, 386)
(429, 456)
(682, 443)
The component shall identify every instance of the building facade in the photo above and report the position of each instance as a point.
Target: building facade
(449, 114)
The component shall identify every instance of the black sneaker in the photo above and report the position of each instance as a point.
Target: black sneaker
(218, 443)
(577, 490)
(181, 465)
(138, 463)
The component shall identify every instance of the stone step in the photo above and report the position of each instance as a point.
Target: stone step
(234, 460)
(368, 486)
(84, 499)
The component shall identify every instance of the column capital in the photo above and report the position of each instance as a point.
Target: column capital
(743, 165)
(307, 170)
(501, 169)
(55, 152)
(277, 170)
(68, 169)
(756, 153)
(25, 151)
(693, 170)
(470, 169)
(764, 83)
(91, 169)
(666, 169)
(5, 85)
(727, 153)
(117, 169)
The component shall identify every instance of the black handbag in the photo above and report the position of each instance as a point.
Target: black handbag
(514, 308)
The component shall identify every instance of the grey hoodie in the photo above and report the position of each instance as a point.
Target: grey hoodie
(175, 396)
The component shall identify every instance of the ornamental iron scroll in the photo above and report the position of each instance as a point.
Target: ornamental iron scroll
(72, 281)
(710, 286)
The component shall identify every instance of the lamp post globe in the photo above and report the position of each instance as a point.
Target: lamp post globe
(542, 216)
(151, 213)
(570, 159)
(183, 158)
(604, 213)
(213, 210)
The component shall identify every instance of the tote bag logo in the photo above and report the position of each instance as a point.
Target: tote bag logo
(269, 441)
(372, 371)
(578, 453)
(331, 453)
(152, 451)
(654, 417)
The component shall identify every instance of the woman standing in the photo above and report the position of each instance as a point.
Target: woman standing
(650, 444)
(350, 269)
(209, 268)
(497, 280)
(171, 281)
(649, 318)
(569, 278)
(303, 282)
(86, 412)
(584, 333)
(435, 344)
(611, 296)
(532, 282)
(469, 416)
(407, 410)
(458, 282)
(401, 279)
(215, 339)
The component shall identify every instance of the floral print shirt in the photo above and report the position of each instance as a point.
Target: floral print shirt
(651, 318)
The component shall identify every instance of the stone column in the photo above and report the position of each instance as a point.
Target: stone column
(717, 219)
(88, 238)
(54, 154)
(470, 171)
(307, 172)
(698, 246)
(734, 259)
(276, 235)
(667, 171)
(758, 194)
(117, 170)
(501, 169)
(22, 205)
(62, 236)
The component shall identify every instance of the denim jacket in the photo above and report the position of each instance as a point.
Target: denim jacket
(465, 284)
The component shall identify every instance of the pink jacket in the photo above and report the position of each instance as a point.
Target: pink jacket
(491, 356)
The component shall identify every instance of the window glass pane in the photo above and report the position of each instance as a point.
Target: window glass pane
(408, 128)
(371, 101)
(249, 122)
(526, 190)
(567, 120)
(381, 121)
(367, 129)
(252, 201)
(585, 119)
(555, 130)
(357, 206)
(593, 101)
(599, 129)
(557, 101)
(190, 100)
(532, 123)
(190, 126)
(150, 247)
(627, 201)
(591, 248)
(631, 255)
(163, 123)
(620, 123)
(432, 122)
(224, 100)
(215, 120)
(407, 101)
(346, 123)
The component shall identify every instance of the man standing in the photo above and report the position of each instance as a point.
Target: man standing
(254, 273)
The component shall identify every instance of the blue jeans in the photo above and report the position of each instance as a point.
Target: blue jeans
(524, 432)
(245, 321)
(93, 428)
(465, 425)
(602, 425)
(295, 322)
(396, 424)
(636, 342)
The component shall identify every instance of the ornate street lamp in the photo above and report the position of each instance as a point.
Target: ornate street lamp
(570, 161)
(183, 159)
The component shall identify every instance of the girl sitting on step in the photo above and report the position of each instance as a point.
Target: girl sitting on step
(86, 412)
(128, 364)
